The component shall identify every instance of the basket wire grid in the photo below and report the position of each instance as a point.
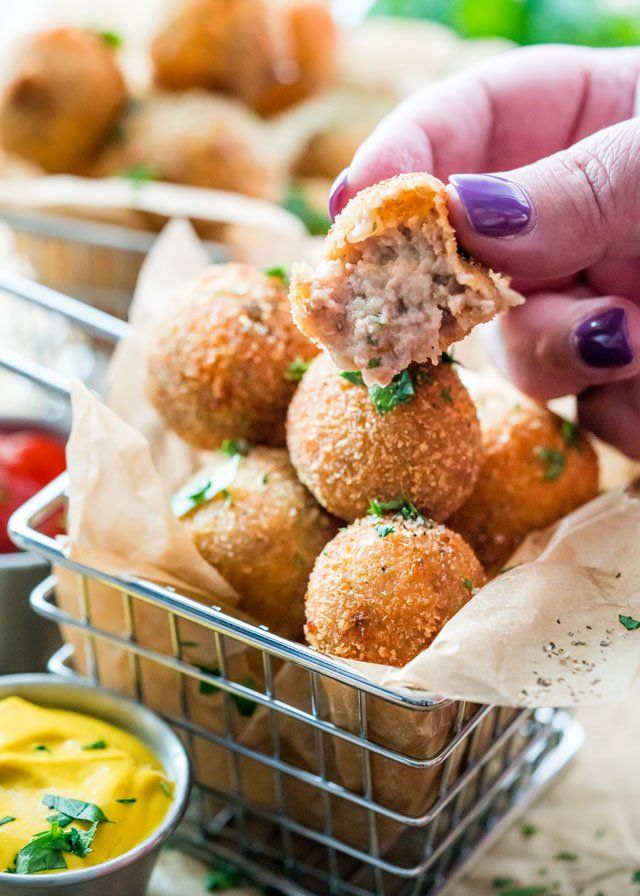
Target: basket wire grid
(308, 775)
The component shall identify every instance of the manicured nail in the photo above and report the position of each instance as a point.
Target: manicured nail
(494, 205)
(338, 197)
(603, 340)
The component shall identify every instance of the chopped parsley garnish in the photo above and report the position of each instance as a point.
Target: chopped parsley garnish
(265, 479)
(500, 882)
(96, 745)
(399, 391)
(629, 622)
(297, 203)
(139, 174)
(635, 877)
(401, 506)
(534, 890)
(110, 38)
(571, 434)
(447, 358)
(567, 856)
(352, 376)
(384, 530)
(279, 272)
(231, 447)
(296, 370)
(205, 687)
(373, 363)
(165, 787)
(76, 809)
(371, 340)
(468, 584)
(226, 494)
(553, 462)
(41, 748)
(445, 395)
(199, 491)
(127, 800)
(528, 830)
(7, 819)
(245, 707)
(201, 494)
(224, 876)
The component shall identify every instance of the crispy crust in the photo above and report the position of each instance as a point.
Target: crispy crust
(383, 207)
(384, 599)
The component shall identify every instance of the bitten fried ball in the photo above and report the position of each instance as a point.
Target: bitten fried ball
(223, 363)
(385, 586)
(392, 287)
(270, 55)
(537, 468)
(195, 139)
(262, 532)
(418, 438)
(64, 96)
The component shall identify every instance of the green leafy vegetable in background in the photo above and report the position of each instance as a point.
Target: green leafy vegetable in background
(629, 622)
(296, 202)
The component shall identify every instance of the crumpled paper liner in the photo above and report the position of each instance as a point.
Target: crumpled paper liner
(506, 645)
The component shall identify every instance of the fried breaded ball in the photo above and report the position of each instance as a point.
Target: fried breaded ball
(222, 363)
(64, 96)
(262, 532)
(392, 287)
(385, 586)
(537, 468)
(268, 54)
(196, 139)
(425, 445)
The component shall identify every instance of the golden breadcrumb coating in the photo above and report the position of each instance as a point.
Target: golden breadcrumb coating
(63, 98)
(392, 287)
(537, 468)
(269, 55)
(383, 598)
(219, 362)
(263, 534)
(197, 139)
(427, 450)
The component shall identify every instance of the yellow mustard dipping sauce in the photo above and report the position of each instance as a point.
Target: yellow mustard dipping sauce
(123, 769)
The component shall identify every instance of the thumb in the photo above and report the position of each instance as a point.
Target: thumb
(558, 215)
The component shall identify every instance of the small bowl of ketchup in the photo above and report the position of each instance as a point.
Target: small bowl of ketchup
(31, 455)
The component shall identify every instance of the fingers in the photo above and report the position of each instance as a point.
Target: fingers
(557, 344)
(612, 412)
(501, 114)
(559, 215)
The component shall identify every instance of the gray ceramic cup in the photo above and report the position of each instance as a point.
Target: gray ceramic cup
(128, 874)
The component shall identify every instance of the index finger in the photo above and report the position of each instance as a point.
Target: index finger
(504, 113)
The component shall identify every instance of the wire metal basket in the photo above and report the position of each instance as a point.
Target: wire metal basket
(309, 776)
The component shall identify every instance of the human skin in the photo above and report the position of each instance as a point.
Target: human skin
(559, 212)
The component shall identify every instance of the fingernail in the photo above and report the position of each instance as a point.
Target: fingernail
(338, 197)
(603, 340)
(494, 205)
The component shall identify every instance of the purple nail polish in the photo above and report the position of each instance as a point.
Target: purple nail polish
(603, 340)
(338, 197)
(494, 205)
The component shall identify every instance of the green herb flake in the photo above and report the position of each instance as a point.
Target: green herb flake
(553, 462)
(635, 877)
(77, 809)
(445, 395)
(199, 496)
(296, 370)
(468, 584)
(383, 531)
(224, 876)
(399, 391)
(96, 745)
(279, 272)
(298, 204)
(571, 434)
(205, 687)
(401, 506)
(352, 376)
(232, 447)
(113, 40)
(447, 358)
(42, 748)
(165, 787)
(139, 174)
(7, 819)
(535, 890)
(629, 622)
(245, 707)
(127, 800)
(565, 856)
(373, 363)
(500, 882)
(528, 830)
(265, 479)
(226, 494)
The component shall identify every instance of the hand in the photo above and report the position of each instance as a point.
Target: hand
(561, 215)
